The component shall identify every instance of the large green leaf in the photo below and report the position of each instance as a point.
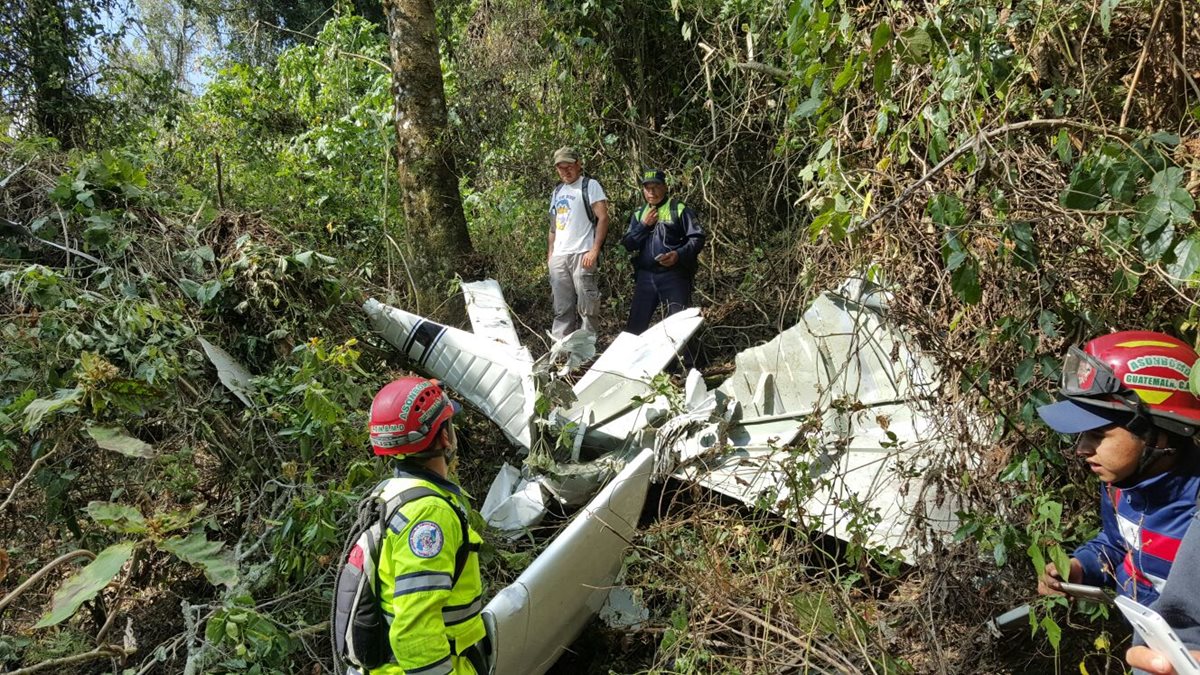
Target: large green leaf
(964, 281)
(1084, 193)
(1187, 258)
(196, 549)
(1167, 203)
(915, 46)
(883, 72)
(320, 406)
(1106, 13)
(119, 517)
(1155, 246)
(85, 584)
(881, 37)
(38, 409)
(117, 440)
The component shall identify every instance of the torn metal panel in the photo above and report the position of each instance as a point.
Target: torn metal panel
(489, 313)
(882, 483)
(864, 358)
(793, 359)
(628, 430)
(755, 461)
(626, 368)
(869, 456)
(572, 351)
(494, 377)
(513, 503)
(624, 608)
(532, 621)
(766, 399)
(838, 349)
(573, 484)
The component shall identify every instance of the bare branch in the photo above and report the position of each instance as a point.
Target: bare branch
(37, 576)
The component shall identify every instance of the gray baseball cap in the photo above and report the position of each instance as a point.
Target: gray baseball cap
(565, 154)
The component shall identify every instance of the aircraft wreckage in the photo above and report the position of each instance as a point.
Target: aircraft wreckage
(840, 404)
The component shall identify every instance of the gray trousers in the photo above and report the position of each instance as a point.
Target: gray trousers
(575, 292)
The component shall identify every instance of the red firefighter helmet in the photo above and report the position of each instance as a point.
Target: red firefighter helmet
(407, 414)
(1126, 375)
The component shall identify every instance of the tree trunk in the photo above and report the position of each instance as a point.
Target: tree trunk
(434, 221)
(56, 109)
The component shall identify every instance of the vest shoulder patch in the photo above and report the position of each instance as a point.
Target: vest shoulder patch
(426, 539)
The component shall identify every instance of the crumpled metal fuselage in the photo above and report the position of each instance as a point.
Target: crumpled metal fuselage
(838, 405)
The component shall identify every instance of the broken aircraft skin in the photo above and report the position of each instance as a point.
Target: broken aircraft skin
(841, 390)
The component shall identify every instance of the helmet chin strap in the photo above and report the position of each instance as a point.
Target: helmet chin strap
(1143, 427)
(450, 451)
(1151, 455)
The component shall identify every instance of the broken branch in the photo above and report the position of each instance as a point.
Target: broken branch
(38, 575)
(1137, 71)
(98, 653)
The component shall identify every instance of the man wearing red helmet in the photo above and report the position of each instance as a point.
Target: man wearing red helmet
(431, 591)
(1126, 396)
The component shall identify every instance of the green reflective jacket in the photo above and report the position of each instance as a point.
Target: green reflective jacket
(432, 619)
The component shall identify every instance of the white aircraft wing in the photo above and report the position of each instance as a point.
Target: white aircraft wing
(535, 618)
(494, 377)
(489, 313)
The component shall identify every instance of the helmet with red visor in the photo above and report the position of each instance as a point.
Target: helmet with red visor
(1135, 379)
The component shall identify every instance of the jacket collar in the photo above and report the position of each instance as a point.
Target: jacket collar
(404, 470)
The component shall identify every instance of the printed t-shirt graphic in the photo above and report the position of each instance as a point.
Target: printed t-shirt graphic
(574, 233)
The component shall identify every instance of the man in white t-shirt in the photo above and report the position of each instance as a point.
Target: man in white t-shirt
(578, 225)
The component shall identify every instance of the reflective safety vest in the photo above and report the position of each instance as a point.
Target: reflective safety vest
(432, 618)
(669, 211)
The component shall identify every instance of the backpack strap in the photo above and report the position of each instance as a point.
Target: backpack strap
(587, 203)
(465, 548)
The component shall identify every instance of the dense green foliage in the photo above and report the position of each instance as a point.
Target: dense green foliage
(1021, 175)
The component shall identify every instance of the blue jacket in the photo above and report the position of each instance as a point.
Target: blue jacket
(677, 230)
(1142, 526)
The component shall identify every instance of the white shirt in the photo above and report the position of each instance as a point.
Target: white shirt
(573, 232)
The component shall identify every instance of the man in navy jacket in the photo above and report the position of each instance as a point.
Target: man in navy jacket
(664, 240)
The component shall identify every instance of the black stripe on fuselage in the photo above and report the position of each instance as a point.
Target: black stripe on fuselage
(426, 334)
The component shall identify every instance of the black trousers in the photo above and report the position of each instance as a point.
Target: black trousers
(670, 289)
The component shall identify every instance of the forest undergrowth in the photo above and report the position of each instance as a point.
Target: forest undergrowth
(1018, 175)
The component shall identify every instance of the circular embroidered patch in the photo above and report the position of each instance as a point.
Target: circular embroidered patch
(425, 539)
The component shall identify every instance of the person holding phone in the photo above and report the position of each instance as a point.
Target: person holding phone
(664, 239)
(1126, 397)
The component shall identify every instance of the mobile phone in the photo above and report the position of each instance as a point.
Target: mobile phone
(1159, 636)
(660, 256)
(1085, 592)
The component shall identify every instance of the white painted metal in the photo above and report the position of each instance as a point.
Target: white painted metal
(489, 312)
(494, 377)
(532, 621)
(625, 369)
(870, 454)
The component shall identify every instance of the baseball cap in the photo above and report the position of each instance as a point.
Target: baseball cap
(1071, 417)
(654, 176)
(565, 154)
